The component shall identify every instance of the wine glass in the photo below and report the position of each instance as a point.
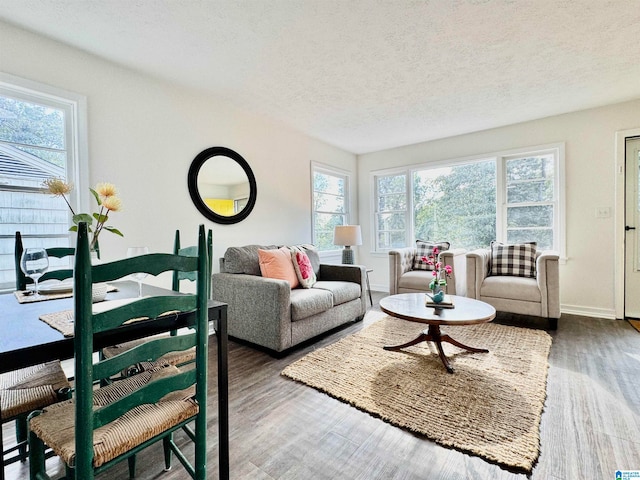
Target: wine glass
(34, 262)
(135, 252)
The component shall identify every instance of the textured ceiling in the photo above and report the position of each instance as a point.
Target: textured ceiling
(366, 75)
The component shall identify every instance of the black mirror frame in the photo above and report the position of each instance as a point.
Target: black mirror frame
(192, 181)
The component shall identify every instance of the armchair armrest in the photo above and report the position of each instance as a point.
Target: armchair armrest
(400, 262)
(477, 270)
(457, 259)
(547, 275)
(259, 308)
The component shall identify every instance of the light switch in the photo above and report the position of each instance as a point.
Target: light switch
(603, 212)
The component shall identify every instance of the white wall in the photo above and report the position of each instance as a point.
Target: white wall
(143, 135)
(587, 278)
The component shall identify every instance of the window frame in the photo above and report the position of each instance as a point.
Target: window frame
(317, 167)
(75, 109)
(375, 202)
(500, 158)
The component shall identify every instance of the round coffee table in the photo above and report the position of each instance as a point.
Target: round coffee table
(412, 307)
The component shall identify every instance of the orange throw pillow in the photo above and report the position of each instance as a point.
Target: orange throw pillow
(277, 264)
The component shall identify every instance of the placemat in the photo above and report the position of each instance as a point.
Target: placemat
(61, 321)
(27, 296)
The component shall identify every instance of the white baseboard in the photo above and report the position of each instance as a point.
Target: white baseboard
(608, 313)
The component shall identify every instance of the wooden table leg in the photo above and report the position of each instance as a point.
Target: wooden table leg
(434, 335)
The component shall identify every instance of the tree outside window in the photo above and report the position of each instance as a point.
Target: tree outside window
(36, 130)
(330, 206)
(510, 198)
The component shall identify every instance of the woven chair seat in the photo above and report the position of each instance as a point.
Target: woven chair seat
(31, 388)
(56, 425)
(172, 358)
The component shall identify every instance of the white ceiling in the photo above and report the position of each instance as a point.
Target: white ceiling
(366, 75)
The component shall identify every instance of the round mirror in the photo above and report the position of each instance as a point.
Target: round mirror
(222, 185)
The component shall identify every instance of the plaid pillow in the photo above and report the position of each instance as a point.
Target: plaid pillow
(516, 260)
(425, 249)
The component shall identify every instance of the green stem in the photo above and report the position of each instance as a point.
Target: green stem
(98, 229)
(68, 205)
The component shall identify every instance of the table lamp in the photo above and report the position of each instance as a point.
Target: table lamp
(347, 235)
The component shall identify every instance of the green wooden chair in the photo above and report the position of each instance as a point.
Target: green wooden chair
(97, 429)
(27, 389)
(179, 358)
(58, 252)
(191, 251)
(23, 391)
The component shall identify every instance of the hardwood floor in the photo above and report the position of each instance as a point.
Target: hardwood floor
(282, 430)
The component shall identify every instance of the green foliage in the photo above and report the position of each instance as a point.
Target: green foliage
(38, 129)
(458, 205)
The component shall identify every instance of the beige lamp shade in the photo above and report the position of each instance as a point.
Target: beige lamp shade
(347, 235)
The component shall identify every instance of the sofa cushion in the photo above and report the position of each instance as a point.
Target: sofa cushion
(416, 280)
(309, 301)
(277, 264)
(425, 249)
(514, 288)
(342, 292)
(514, 260)
(244, 259)
(302, 266)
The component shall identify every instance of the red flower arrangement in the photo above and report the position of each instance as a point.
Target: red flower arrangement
(440, 271)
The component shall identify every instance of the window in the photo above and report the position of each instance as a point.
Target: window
(39, 139)
(456, 203)
(510, 197)
(330, 204)
(391, 210)
(530, 207)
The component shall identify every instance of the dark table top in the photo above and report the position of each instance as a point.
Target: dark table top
(26, 340)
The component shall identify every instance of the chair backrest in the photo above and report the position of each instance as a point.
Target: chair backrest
(58, 252)
(88, 324)
(191, 251)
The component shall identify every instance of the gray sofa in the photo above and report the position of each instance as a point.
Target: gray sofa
(404, 279)
(268, 313)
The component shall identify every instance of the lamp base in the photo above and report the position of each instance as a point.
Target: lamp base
(347, 256)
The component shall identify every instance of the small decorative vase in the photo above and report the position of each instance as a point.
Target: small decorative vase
(95, 259)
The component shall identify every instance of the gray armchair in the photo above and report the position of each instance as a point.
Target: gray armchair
(403, 279)
(539, 296)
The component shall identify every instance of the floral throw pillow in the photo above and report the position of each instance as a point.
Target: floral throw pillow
(425, 249)
(517, 260)
(303, 267)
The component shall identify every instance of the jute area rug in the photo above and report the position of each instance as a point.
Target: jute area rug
(490, 407)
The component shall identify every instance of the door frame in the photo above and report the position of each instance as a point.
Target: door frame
(620, 220)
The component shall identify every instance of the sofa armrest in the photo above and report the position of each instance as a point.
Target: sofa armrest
(259, 308)
(342, 273)
(477, 270)
(547, 274)
(400, 262)
(457, 259)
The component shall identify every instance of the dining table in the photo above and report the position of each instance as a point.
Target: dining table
(26, 340)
